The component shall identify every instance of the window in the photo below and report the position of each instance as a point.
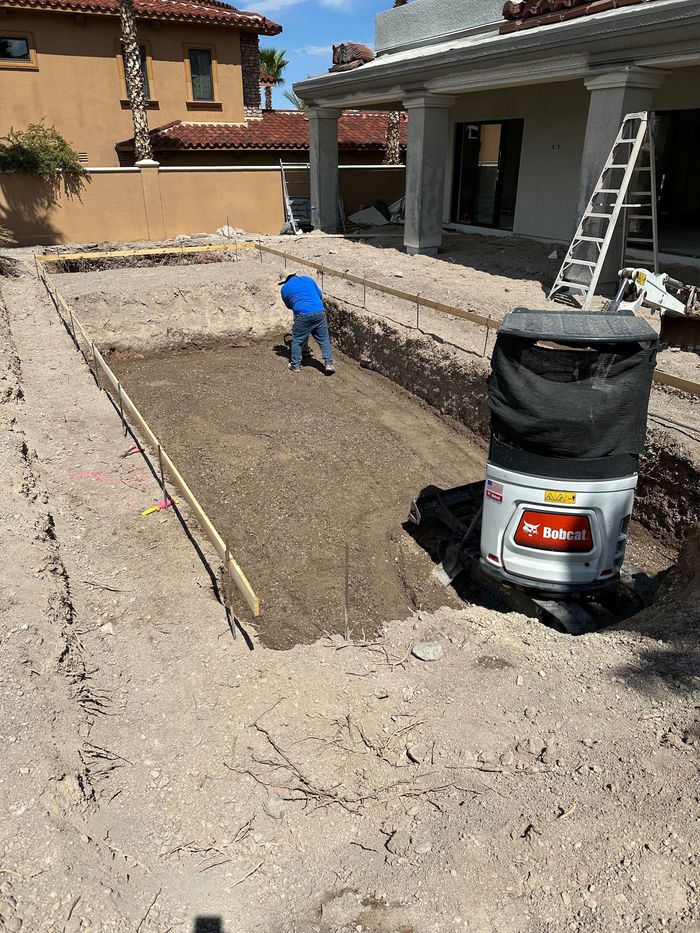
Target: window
(17, 50)
(201, 62)
(146, 72)
(486, 166)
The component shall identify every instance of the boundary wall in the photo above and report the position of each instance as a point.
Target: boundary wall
(154, 202)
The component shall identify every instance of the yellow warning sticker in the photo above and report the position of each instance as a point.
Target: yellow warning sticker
(560, 497)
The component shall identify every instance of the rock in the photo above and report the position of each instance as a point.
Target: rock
(399, 842)
(531, 713)
(554, 255)
(107, 628)
(427, 651)
(415, 754)
(229, 231)
(422, 848)
(532, 746)
(519, 680)
(274, 808)
(381, 693)
(407, 694)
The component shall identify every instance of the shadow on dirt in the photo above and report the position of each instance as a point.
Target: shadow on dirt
(669, 655)
(207, 925)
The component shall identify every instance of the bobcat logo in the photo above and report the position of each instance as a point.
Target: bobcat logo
(529, 529)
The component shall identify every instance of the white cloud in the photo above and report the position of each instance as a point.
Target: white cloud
(323, 50)
(272, 6)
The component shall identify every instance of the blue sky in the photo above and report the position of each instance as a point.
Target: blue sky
(311, 27)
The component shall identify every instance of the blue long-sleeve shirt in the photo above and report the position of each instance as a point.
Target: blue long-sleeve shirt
(301, 294)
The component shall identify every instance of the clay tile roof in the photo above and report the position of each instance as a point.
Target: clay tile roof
(278, 129)
(213, 12)
(523, 14)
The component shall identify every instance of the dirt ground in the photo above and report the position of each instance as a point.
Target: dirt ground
(303, 473)
(157, 771)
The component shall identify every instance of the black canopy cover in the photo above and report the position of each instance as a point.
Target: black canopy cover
(577, 409)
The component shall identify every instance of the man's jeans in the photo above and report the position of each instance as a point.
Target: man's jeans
(311, 325)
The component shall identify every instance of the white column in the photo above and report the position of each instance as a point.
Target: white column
(614, 94)
(323, 156)
(426, 163)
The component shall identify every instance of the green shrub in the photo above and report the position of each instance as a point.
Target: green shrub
(38, 150)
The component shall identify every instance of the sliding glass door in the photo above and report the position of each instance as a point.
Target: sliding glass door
(487, 161)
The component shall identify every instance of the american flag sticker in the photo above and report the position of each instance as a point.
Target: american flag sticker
(494, 491)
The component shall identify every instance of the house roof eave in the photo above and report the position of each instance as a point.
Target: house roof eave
(554, 52)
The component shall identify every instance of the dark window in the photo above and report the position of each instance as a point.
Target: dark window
(202, 76)
(487, 162)
(144, 71)
(14, 50)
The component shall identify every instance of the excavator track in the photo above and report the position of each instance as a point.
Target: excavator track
(450, 530)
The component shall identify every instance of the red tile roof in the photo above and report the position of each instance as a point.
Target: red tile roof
(278, 129)
(184, 11)
(526, 13)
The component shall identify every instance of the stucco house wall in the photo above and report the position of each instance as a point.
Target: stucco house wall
(78, 88)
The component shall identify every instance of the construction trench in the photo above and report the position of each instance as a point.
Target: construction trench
(526, 781)
(309, 481)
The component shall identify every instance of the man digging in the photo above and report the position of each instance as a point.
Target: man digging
(304, 298)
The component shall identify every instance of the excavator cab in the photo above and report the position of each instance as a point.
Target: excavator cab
(568, 394)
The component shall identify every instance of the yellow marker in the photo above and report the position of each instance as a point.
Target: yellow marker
(163, 504)
(560, 497)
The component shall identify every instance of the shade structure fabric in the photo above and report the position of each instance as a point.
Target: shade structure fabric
(578, 400)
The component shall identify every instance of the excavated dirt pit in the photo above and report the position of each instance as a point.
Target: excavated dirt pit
(309, 479)
(303, 473)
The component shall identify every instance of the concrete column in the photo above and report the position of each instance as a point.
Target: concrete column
(152, 199)
(614, 94)
(426, 162)
(323, 156)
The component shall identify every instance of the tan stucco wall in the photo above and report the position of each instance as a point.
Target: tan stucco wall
(154, 205)
(78, 87)
(195, 202)
(110, 207)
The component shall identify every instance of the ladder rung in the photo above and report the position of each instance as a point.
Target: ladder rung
(596, 214)
(580, 262)
(592, 239)
(640, 217)
(562, 283)
(608, 191)
(637, 239)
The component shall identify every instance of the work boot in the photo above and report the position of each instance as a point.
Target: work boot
(329, 369)
(294, 369)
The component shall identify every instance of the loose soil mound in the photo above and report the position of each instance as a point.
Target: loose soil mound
(294, 470)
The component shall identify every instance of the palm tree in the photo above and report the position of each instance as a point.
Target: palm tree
(133, 76)
(392, 151)
(273, 63)
(295, 100)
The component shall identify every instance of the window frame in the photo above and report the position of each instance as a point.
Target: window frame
(192, 102)
(13, 64)
(151, 100)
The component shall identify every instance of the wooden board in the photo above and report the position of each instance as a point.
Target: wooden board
(465, 315)
(105, 377)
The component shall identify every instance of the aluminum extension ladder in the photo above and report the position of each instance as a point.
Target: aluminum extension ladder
(632, 159)
(287, 200)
